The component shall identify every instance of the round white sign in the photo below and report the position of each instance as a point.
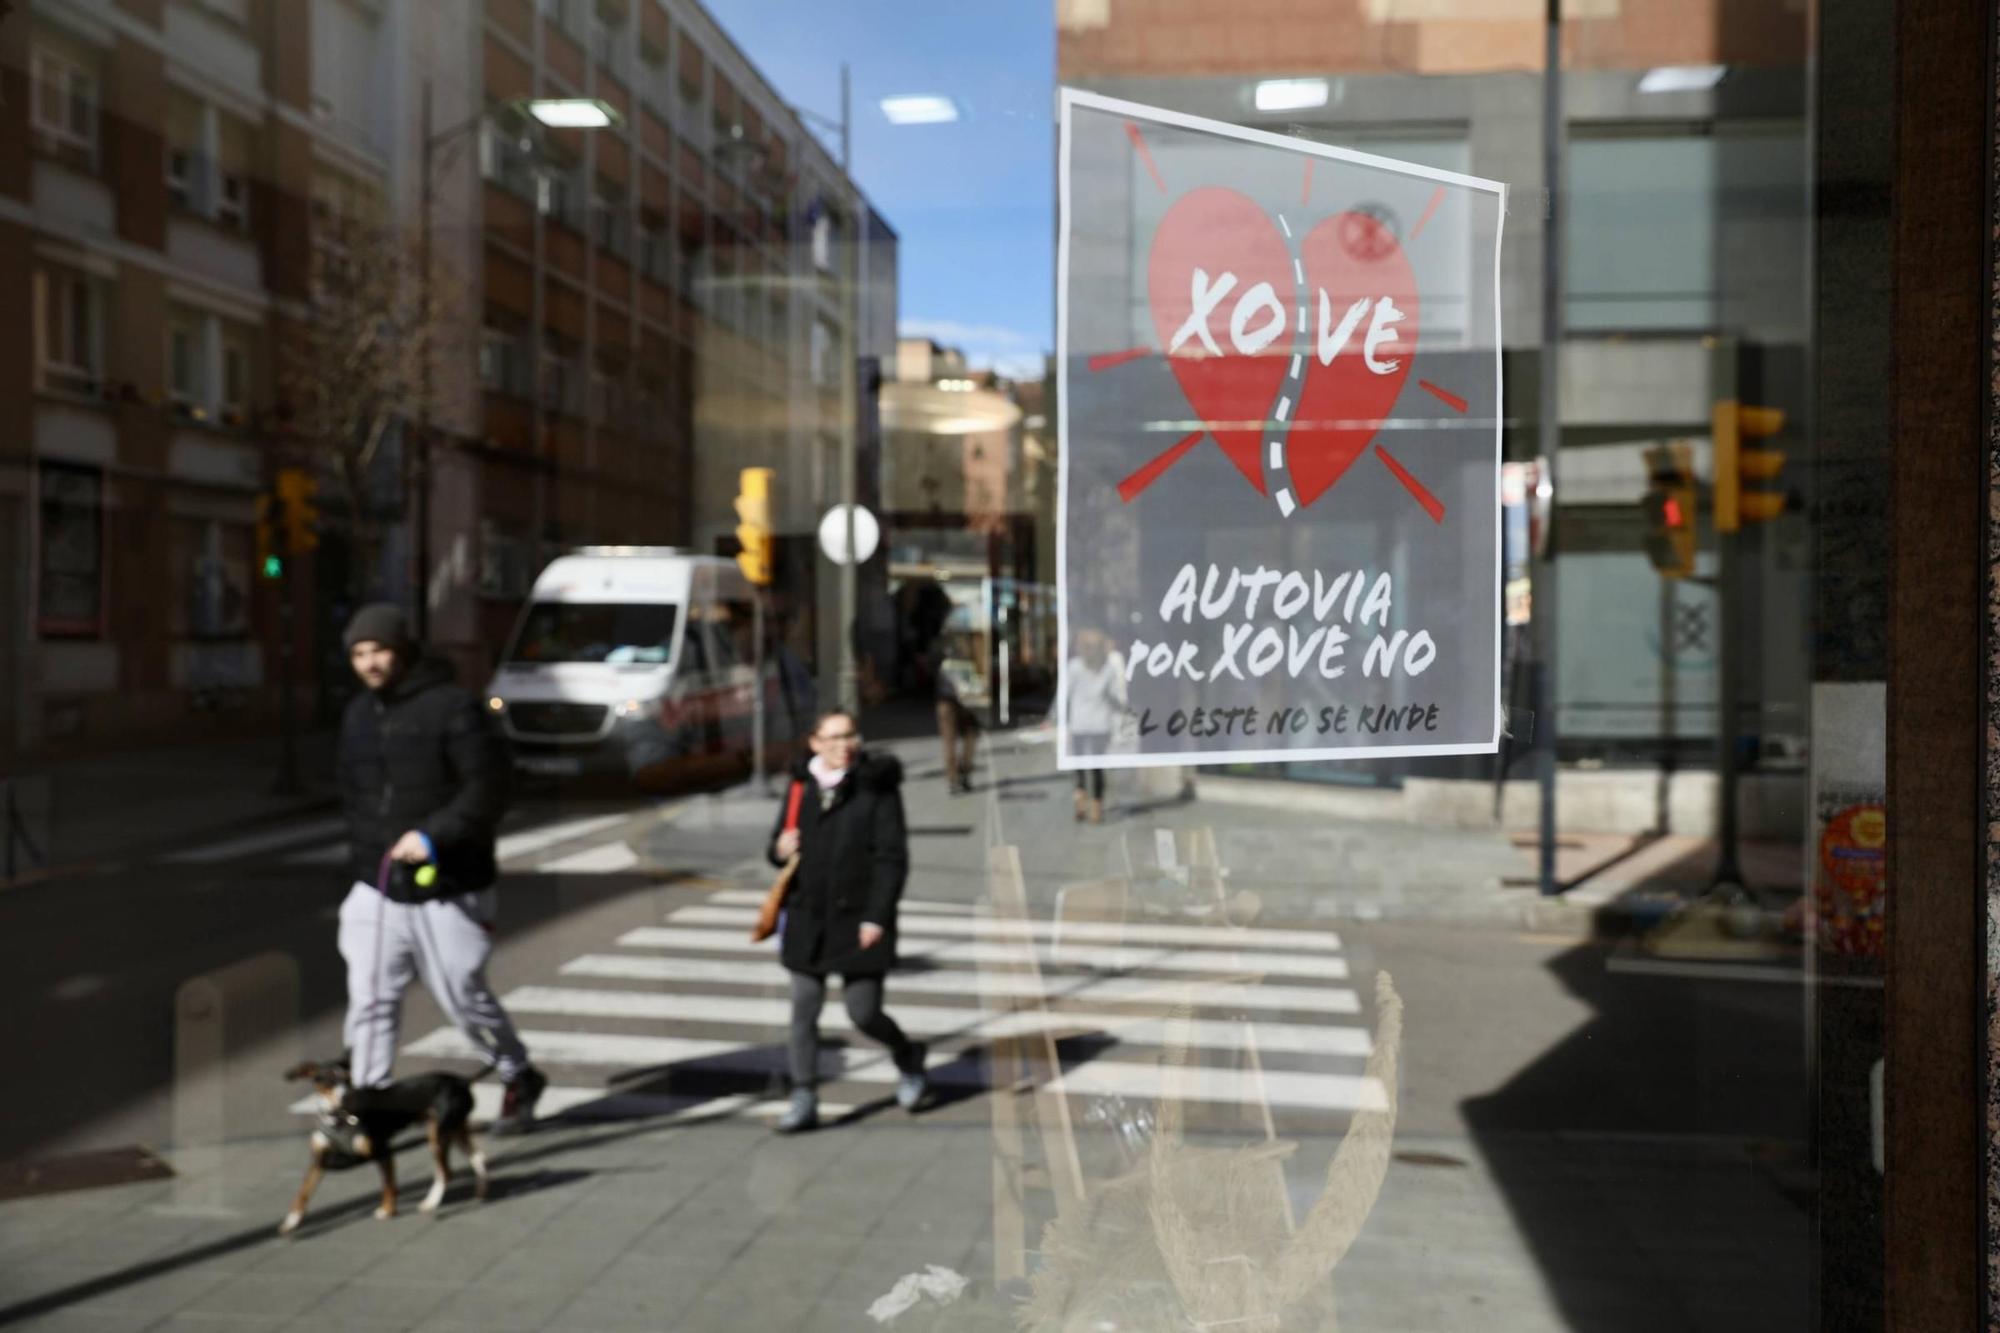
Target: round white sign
(833, 534)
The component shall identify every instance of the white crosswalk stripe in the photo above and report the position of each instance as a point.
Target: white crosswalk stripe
(1016, 985)
(1287, 1089)
(1104, 957)
(925, 1022)
(598, 1103)
(1099, 932)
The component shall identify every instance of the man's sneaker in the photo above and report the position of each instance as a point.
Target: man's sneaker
(802, 1114)
(913, 1087)
(517, 1103)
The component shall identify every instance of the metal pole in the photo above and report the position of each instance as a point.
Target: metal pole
(1551, 442)
(288, 755)
(419, 474)
(757, 708)
(1729, 575)
(850, 367)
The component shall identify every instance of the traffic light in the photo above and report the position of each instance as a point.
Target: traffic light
(297, 490)
(1670, 509)
(269, 563)
(1733, 424)
(753, 528)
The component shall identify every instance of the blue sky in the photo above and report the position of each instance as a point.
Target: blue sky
(972, 201)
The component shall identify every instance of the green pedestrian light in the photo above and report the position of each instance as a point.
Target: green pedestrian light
(274, 567)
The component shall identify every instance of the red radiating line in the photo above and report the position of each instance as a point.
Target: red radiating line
(1128, 489)
(1437, 197)
(1306, 186)
(1106, 360)
(1432, 505)
(1449, 399)
(1145, 153)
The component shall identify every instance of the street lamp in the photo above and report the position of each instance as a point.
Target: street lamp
(570, 113)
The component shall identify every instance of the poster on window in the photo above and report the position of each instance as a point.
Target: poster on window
(1279, 415)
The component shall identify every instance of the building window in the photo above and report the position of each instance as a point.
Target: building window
(235, 398)
(557, 194)
(235, 155)
(609, 223)
(565, 14)
(823, 237)
(560, 384)
(654, 81)
(70, 594)
(608, 397)
(234, 11)
(503, 362)
(70, 339)
(208, 366)
(209, 157)
(656, 249)
(823, 356)
(63, 102)
(212, 561)
(187, 377)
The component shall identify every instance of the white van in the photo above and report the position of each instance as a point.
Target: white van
(641, 660)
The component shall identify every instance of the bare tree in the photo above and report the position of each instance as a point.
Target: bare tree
(351, 378)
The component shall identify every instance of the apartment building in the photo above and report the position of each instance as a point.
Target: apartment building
(621, 318)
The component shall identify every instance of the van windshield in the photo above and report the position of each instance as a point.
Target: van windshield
(617, 633)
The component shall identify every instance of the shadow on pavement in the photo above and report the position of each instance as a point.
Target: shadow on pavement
(101, 1047)
(1654, 1159)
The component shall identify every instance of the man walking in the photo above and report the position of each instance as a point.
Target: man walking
(424, 778)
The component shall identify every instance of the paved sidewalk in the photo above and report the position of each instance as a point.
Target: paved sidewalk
(705, 1221)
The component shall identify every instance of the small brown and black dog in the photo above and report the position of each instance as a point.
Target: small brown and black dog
(362, 1128)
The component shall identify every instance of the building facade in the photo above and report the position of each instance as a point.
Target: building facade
(617, 321)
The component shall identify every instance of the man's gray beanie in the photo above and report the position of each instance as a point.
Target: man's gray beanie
(380, 622)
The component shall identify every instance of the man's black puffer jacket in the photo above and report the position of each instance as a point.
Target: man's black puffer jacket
(422, 754)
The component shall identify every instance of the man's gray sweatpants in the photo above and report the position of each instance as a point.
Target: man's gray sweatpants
(446, 942)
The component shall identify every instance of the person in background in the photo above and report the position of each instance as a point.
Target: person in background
(1095, 695)
(958, 724)
(840, 913)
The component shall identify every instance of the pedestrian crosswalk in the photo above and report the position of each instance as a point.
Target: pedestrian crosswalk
(688, 1018)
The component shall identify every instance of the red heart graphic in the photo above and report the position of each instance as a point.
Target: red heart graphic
(1223, 232)
(1349, 258)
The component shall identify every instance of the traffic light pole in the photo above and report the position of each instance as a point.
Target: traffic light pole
(1729, 573)
(287, 783)
(757, 723)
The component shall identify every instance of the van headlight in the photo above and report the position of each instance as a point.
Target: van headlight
(630, 708)
(496, 704)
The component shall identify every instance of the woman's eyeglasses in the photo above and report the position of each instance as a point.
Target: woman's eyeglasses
(842, 737)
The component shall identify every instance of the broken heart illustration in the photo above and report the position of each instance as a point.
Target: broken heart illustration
(1225, 291)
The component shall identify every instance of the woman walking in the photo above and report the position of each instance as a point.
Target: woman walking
(1096, 695)
(843, 819)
